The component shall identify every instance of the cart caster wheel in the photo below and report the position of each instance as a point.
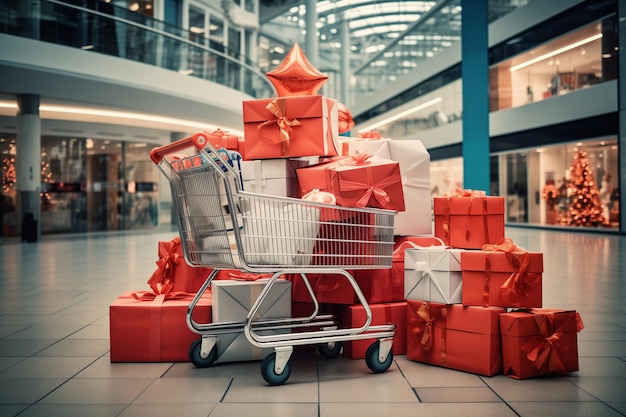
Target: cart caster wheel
(372, 361)
(197, 359)
(269, 373)
(329, 350)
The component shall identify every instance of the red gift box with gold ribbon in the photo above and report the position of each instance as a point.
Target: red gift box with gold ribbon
(502, 275)
(173, 273)
(149, 327)
(456, 337)
(287, 127)
(469, 219)
(540, 342)
(382, 313)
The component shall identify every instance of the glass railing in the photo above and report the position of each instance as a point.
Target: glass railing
(101, 27)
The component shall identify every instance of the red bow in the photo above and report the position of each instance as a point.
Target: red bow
(162, 280)
(545, 349)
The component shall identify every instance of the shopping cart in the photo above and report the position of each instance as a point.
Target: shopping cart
(223, 227)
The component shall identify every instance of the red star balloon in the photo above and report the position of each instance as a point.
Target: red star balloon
(295, 76)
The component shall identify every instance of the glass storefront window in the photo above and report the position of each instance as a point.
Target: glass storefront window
(571, 62)
(86, 185)
(572, 185)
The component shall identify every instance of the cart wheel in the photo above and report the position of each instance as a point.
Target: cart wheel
(199, 361)
(372, 361)
(329, 350)
(269, 374)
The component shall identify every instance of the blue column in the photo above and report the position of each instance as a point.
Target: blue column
(475, 73)
(312, 46)
(345, 60)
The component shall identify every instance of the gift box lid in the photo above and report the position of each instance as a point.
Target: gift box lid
(480, 320)
(525, 323)
(296, 107)
(470, 205)
(433, 259)
(475, 260)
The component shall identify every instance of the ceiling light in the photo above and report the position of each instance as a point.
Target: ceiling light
(556, 52)
(401, 115)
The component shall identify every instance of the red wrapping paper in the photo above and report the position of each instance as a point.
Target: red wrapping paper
(148, 327)
(290, 127)
(502, 276)
(382, 313)
(456, 337)
(221, 139)
(540, 342)
(469, 219)
(357, 182)
(173, 273)
(328, 288)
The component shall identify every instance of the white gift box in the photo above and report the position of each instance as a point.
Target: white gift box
(231, 301)
(274, 176)
(414, 162)
(433, 274)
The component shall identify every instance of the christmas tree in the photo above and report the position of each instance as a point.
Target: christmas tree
(585, 208)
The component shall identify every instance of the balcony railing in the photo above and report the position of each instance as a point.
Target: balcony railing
(101, 27)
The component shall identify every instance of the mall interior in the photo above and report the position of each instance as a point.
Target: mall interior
(517, 98)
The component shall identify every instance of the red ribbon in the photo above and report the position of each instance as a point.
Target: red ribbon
(459, 192)
(520, 282)
(545, 349)
(427, 315)
(162, 280)
(246, 276)
(376, 190)
(278, 108)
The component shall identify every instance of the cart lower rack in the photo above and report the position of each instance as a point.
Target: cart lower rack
(223, 227)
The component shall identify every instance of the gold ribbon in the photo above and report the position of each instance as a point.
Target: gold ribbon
(278, 108)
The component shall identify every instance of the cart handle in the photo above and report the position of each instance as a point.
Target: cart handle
(198, 140)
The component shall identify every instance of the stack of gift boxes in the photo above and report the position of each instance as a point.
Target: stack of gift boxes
(460, 294)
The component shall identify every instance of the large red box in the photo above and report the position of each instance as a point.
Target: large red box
(383, 313)
(469, 222)
(173, 273)
(145, 327)
(490, 279)
(456, 337)
(376, 183)
(539, 342)
(288, 127)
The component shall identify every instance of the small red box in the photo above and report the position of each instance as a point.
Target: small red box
(220, 139)
(490, 279)
(456, 337)
(145, 327)
(173, 273)
(539, 342)
(288, 127)
(376, 183)
(384, 313)
(469, 222)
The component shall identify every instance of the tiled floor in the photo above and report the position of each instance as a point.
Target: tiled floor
(54, 344)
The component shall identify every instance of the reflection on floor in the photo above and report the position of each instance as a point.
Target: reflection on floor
(54, 344)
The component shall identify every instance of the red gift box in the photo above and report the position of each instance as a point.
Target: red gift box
(539, 342)
(173, 273)
(357, 182)
(503, 276)
(145, 327)
(220, 139)
(456, 337)
(469, 219)
(383, 313)
(328, 288)
(290, 127)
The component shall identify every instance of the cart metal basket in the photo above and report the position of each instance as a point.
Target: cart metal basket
(223, 227)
